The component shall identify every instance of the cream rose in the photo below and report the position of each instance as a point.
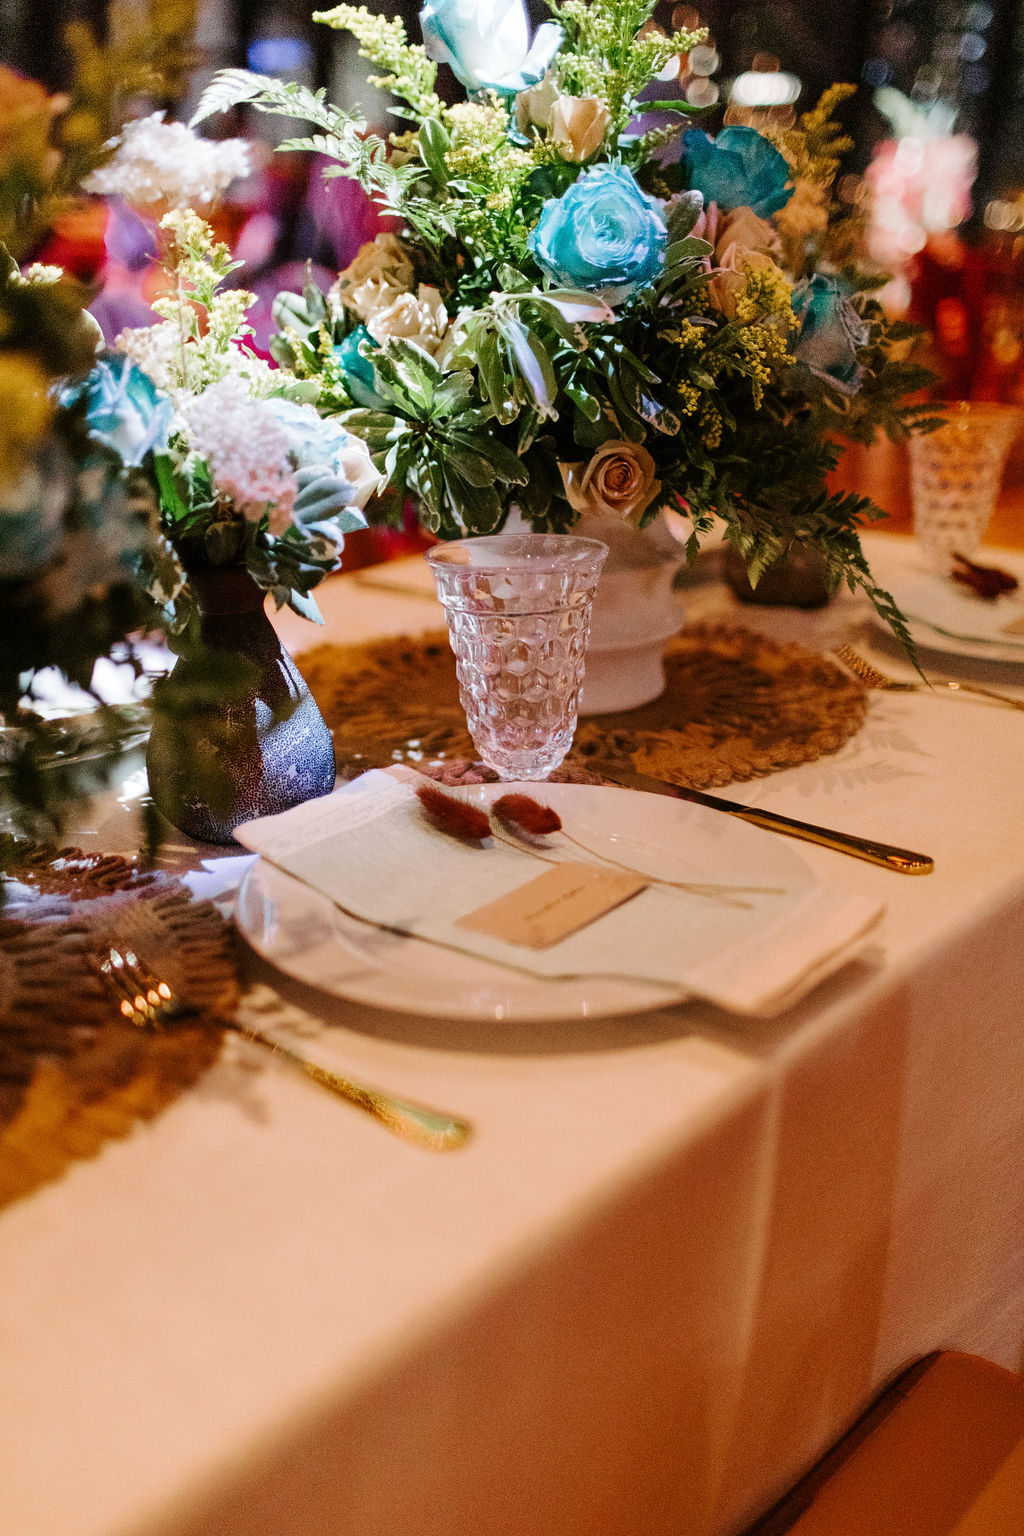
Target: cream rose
(419, 317)
(578, 126)
(533, 107)
(743, 241)
(375, 277)
(619, 481)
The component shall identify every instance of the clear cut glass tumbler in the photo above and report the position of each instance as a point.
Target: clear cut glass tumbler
(518, 608)
(955, 474)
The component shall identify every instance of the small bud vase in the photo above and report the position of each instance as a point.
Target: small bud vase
(236, 733)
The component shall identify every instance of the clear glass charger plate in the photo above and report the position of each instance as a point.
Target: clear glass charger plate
(950, 619)
(305, 935)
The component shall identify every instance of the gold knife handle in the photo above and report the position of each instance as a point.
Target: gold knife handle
(900, 859)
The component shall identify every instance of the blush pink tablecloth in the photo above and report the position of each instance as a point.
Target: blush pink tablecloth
(679, 1257)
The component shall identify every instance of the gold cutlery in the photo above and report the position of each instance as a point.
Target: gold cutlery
(871, 677)
(148, 1002)
(900, 859)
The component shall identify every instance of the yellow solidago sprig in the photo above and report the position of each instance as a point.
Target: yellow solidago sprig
(404, 67)
(814, 152)
(481, 156)
(610, 51)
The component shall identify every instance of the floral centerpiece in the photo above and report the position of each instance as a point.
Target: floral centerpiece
(256, 491)
(581, 318)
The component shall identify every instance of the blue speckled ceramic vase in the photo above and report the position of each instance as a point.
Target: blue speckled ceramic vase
(236, 732)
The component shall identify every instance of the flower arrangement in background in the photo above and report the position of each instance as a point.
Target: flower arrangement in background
(579, 317)
(77, 513)
(249, 473)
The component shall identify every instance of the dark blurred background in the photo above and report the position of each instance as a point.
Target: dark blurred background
(937, 172)
(964, 54)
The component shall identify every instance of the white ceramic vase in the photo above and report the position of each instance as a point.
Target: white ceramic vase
(635, 611)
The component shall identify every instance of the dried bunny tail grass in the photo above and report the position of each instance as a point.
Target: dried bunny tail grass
(521, 820)
(456, 817)
(528, 815)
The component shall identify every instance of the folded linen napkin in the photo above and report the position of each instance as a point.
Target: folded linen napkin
(372, 850)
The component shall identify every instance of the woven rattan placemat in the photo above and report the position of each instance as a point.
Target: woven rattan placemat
(72, 1075)
(737, 706)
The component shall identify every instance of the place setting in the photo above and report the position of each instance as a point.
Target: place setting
(962, 598)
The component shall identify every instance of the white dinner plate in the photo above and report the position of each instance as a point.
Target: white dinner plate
(948, 618)
(305, 935)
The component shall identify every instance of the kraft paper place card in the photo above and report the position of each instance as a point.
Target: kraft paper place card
(548, 908)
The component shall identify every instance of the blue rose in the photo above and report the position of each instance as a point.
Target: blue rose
(831, 330)
(738, 169)
(360, 379)
(487, 43)
(603, 234)
(124, 410)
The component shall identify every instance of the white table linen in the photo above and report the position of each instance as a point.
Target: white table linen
(678, 1257)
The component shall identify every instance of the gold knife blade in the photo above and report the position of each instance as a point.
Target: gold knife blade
(900, 859)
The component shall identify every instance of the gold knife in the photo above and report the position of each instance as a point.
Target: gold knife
(900, 859)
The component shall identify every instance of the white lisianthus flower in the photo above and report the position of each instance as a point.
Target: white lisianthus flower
(419, 317)
(160, 164)
(578, 126)
(619, 481)
(247, 449)
(378, 274)
(359, 470)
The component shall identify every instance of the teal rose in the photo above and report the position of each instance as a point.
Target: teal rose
(831, 331)
(360, 379)
(738, 169)
(487, 43)
(604, 235)
(124, 410)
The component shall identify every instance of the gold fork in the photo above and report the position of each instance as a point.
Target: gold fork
(148, 1002)
(872, 678)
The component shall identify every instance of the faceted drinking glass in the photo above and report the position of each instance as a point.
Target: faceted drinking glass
(955, 474)
(518, 609)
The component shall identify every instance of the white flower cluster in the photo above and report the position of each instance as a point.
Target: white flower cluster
(167, 165)
(247, 449)
(159, 351)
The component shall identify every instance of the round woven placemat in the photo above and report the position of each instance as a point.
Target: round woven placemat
(737, 706)
(73, 1074)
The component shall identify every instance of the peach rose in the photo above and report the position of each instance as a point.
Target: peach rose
(743, 227)
(619, 481)
(730, 281)
(578, 126)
